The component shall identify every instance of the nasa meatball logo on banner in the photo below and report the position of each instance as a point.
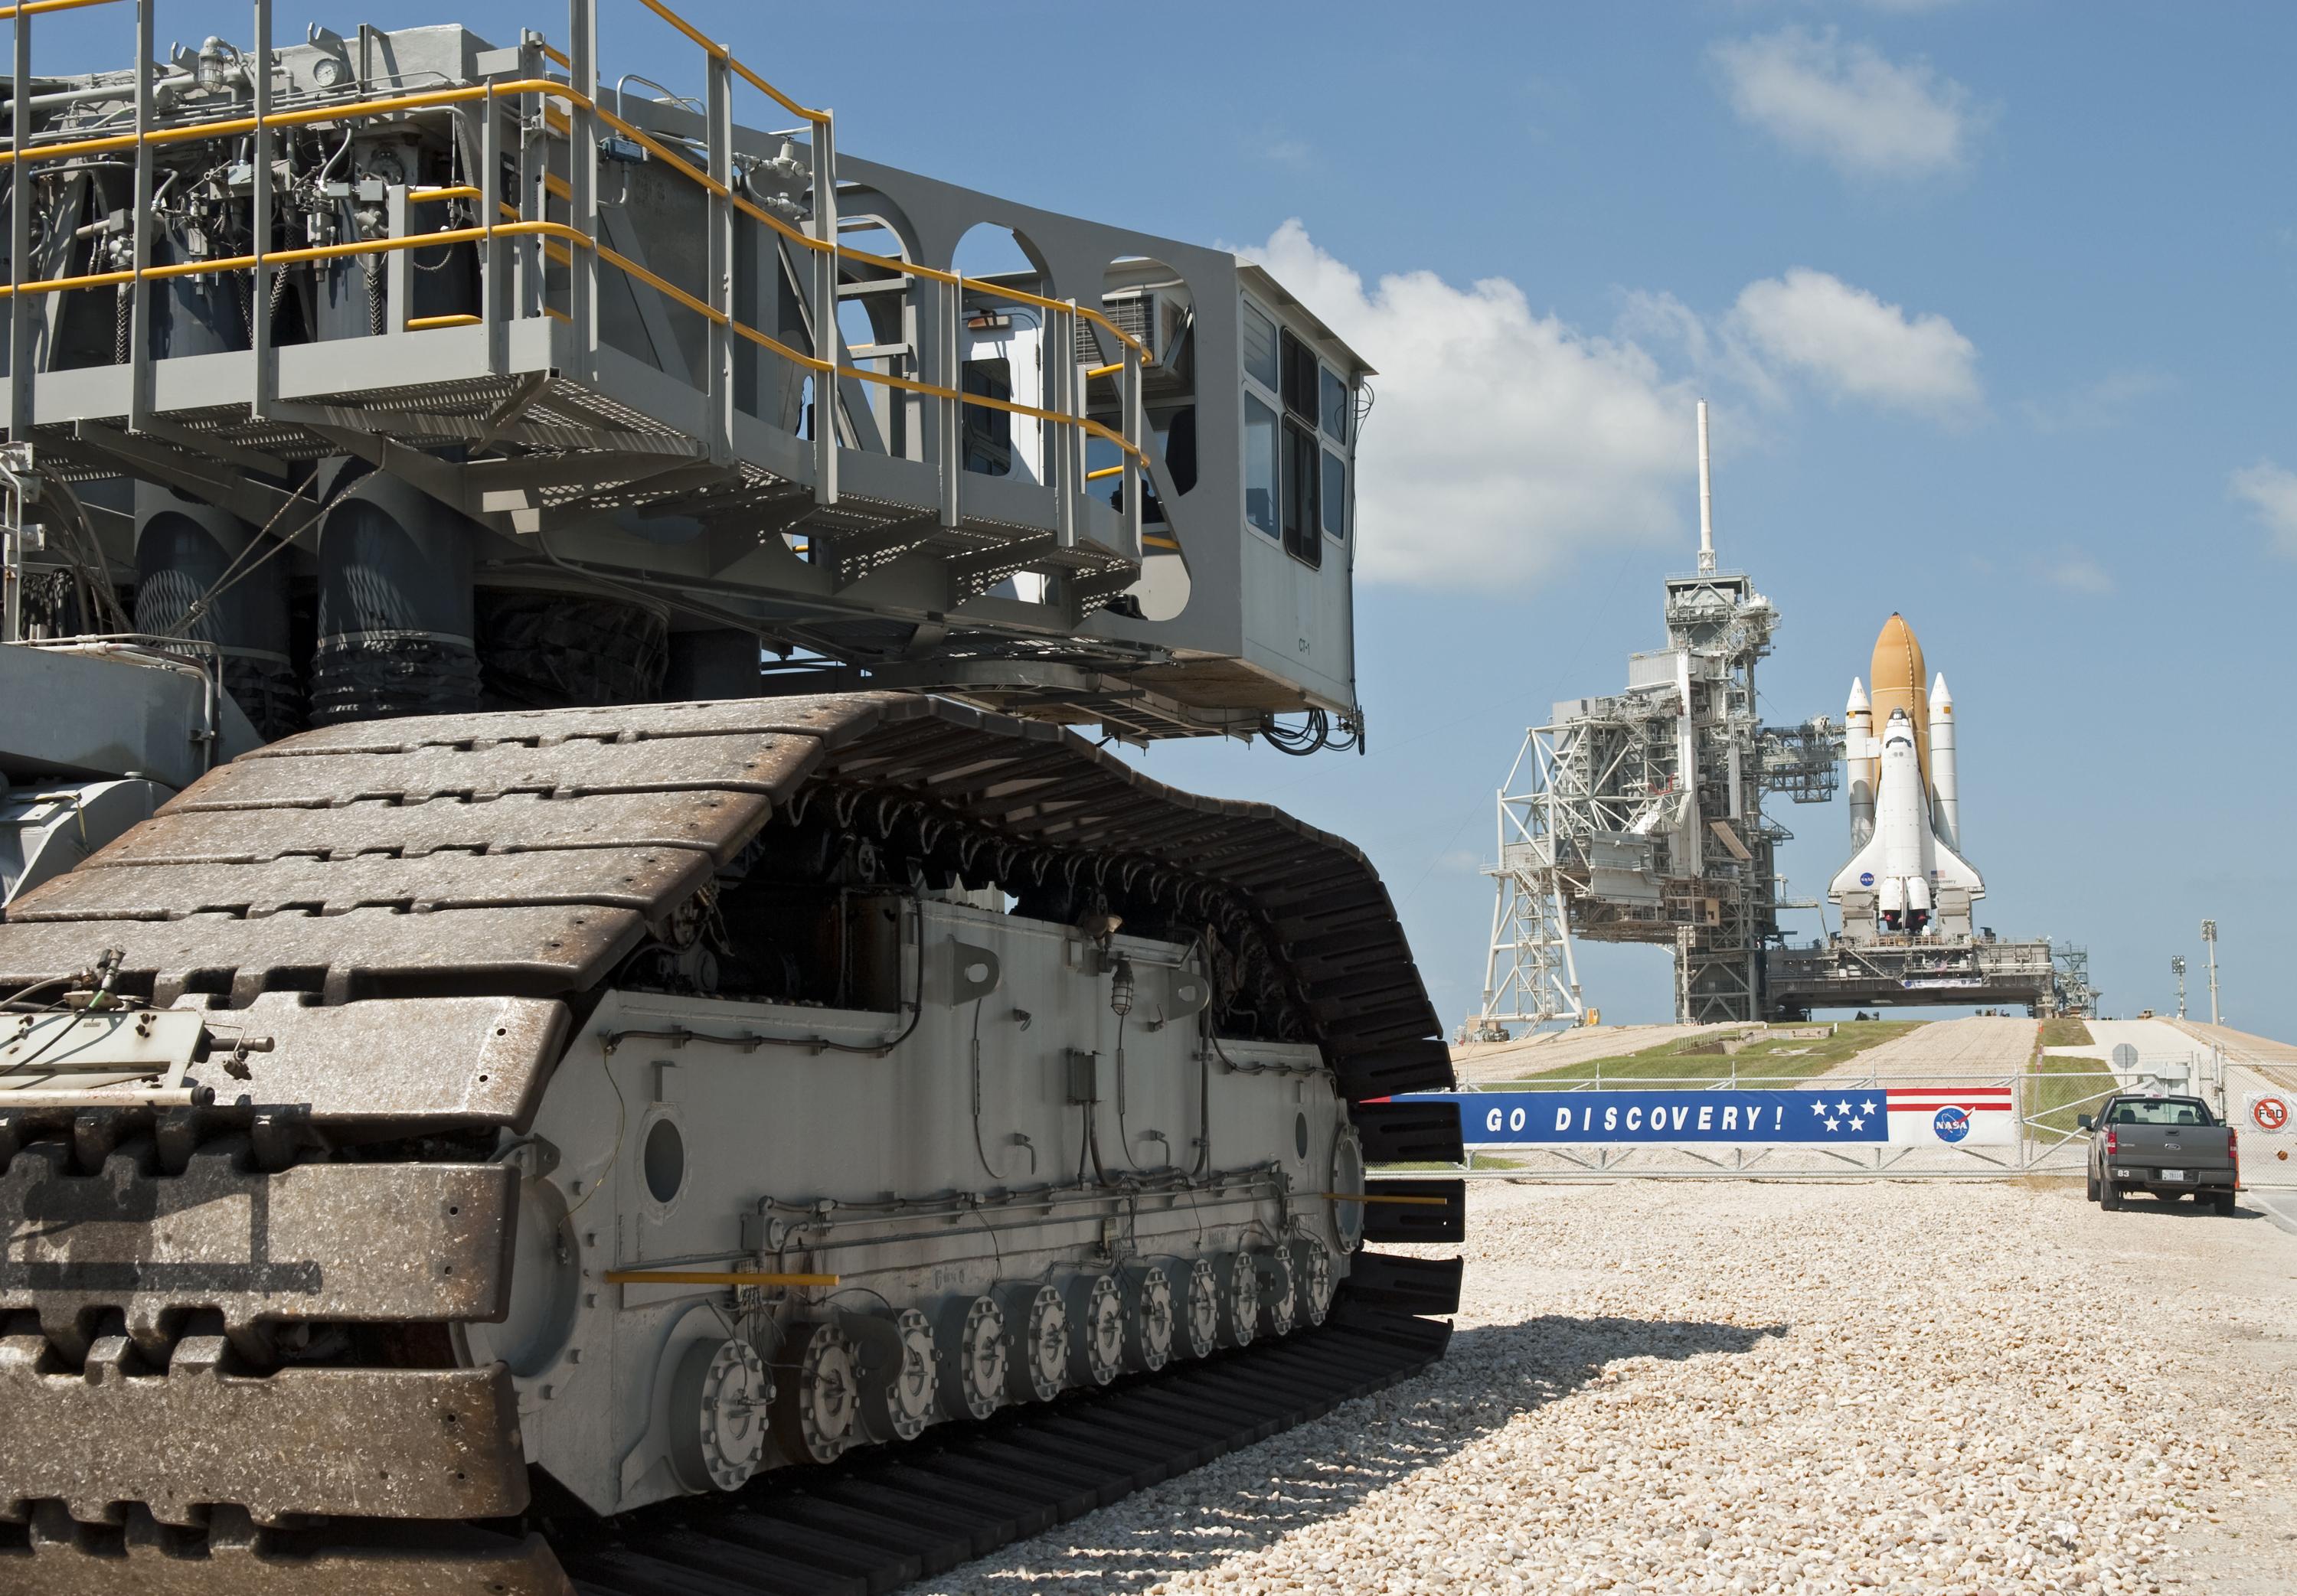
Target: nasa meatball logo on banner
(1869, 1115)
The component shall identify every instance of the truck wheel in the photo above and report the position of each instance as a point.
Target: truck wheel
(2109, 1197)
(2226, 1203)
(2091, 1184)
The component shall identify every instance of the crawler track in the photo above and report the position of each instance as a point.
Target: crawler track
(411, 915)
(879, 1522)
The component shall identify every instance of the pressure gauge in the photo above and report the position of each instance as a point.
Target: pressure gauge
(328, 73)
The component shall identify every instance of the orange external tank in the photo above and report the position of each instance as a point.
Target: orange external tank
(1899, 682)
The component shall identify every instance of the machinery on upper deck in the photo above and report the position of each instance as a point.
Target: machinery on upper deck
(512, 358)
(560, 954)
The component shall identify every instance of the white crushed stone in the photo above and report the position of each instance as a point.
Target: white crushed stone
(1669, 1388)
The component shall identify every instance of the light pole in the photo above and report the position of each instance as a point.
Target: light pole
(2209, 941)
(2178, 969)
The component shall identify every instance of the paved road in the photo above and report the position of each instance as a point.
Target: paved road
(1978, 1046)
(2279, 1206)
(2274, 1060)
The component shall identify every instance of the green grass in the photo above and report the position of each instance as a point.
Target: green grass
(2063, 1089)
(1777, 1059)
(2066, 1034)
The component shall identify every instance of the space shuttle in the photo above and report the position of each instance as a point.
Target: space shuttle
(1906, 876)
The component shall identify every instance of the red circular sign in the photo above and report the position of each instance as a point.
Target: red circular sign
(2271, 1114)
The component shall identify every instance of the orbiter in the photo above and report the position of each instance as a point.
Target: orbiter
(1906, 877)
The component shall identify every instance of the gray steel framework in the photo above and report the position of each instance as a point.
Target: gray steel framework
(660, 293)
(1637, 817)
(1975, 972)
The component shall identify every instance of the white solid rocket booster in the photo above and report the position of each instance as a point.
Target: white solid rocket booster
(1946, 798)
(1858, 727)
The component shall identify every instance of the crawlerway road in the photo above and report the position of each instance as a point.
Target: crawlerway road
(1771, 1387)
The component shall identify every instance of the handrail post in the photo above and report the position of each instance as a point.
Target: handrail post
(532, 268)
(139, 308)
(826, 341)
(1136, 434)
(494, 258)
(398, 265)
(1063, 439)
(19, 240)
(258, 332)
(583, 183)
(720, 138)
(949, 307)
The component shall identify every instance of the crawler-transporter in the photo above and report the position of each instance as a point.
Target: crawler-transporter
(563, 955)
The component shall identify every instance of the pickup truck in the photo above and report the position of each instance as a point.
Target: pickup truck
(2167, 1146)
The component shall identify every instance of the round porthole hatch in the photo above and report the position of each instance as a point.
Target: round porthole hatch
(666, 1160)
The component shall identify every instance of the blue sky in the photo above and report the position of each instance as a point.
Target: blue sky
(1993, 300)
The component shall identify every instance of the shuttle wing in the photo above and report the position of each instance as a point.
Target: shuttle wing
(1951, 869)
(1867, 863)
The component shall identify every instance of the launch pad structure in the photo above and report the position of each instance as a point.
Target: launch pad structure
(1638, 817)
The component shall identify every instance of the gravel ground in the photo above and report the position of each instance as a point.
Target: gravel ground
(1748, 1387)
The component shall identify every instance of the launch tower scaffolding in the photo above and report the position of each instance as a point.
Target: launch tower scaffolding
(1637, 817)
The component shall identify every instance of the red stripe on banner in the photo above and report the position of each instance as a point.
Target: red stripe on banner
(1974, 1105)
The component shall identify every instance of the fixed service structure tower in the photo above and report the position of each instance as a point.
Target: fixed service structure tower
(1638, 817)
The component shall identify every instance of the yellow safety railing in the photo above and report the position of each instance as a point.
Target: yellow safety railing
(33, 8)
(554, 89)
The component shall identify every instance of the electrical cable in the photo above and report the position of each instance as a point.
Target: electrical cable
(234, 573)
(622, 1118)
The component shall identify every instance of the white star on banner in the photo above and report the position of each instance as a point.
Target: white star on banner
(1818, 1109)
(1859, 1125)
(1833, 1123)
(1842, 1109)
(1867, 1107)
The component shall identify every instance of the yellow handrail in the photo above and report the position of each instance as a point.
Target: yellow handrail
(32, 8)
(549, 87)
(552, 89)
(231, 127)
(712, 1277)
(721, 53)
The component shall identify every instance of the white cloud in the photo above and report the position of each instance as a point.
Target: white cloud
(2271, 492)
(2076, 573)
(1854, 346)
(1504, 442)
(2095, 406)
(1850, 104)
(1278, 148)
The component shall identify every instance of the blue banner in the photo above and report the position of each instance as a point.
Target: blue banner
(1608, 1118)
